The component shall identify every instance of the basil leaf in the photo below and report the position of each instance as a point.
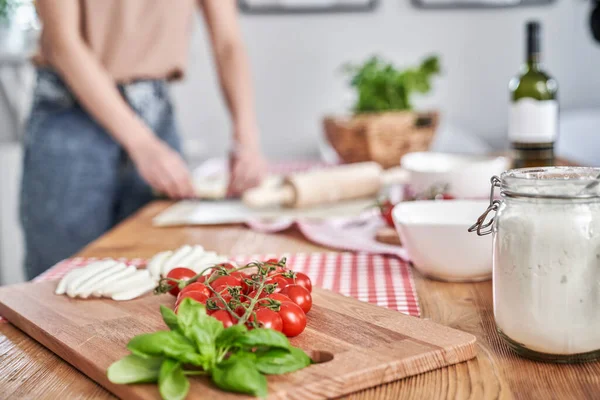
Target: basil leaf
(134, 369)
(263, 337)
(239, 374)
(165, 343)
(189, 312)
(278, 361)
(172, 383)
(201, 329)
(228, 337)
(169, 317)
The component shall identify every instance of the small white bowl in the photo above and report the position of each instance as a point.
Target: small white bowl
(435, 234)
(467, 176)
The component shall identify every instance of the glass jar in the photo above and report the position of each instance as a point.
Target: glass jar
(546, 261)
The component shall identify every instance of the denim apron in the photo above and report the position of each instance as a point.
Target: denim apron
(78, 182)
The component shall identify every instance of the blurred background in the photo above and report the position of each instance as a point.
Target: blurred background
(296, 62)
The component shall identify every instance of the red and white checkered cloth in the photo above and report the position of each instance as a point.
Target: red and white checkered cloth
(383, 280)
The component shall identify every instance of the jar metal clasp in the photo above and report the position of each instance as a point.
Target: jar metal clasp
(485, 228)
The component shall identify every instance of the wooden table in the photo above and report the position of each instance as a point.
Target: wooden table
(28, 370)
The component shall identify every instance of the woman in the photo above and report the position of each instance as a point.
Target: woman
(102, 135)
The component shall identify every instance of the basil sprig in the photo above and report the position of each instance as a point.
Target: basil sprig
(196, 344)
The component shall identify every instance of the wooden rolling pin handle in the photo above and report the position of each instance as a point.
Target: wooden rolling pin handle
(262, 197)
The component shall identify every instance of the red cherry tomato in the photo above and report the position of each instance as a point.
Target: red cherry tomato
(386, 212)
(272, 261)
(228, 266)
(243, 276)
(263, 302)
(226, 281)
(200, 297)
(293, 318)
(196, 287)
(299, 296)
(304, 281)
(268, 319)
(180, 274)
(218, 302)
(252, 295)
(280, 281)
(223, 316)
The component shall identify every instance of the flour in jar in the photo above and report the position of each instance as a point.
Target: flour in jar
(547, 275)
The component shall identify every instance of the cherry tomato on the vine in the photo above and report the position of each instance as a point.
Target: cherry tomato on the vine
(218, 303)
(299, 296)
(200, 297)
(179, 273)
(303, 280)
(242, 276)
(267, 319)
(226, 281)
(196, 287)
(280, 281)
(293, 318)
(223, 316)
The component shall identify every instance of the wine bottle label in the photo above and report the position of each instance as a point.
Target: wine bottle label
(533, 121)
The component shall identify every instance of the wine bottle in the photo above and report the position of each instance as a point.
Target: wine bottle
(533, 120)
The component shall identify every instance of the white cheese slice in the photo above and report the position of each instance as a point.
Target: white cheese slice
(136, 290)
(86, 289)
(140, 277)
(61, 288)
(191, 257)
(155, 264)
(126, 273)
(89, 271)
(174, 260)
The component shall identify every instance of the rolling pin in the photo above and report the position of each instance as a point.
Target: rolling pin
(319, 187)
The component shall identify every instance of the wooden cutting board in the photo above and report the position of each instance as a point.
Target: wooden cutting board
(356, 345)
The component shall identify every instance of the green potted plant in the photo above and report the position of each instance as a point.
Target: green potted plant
(384, 126)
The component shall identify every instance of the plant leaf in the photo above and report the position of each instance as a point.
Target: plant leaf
(134, 369)
(165, 343)
(239, 374)
(189, 312)
(229, 336)
(169, 317)
(264, 337)
(278, 361)
(172, 383)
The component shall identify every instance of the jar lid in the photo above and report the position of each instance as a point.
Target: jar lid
(563, 183)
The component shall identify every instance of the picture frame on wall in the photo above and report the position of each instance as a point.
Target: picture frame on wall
(305, 6)
(441, 4)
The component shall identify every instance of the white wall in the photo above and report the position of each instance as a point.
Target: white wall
(296, 61)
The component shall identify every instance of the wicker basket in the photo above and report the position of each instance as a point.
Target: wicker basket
(382, 137)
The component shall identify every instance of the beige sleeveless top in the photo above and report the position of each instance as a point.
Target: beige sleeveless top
(137, 39)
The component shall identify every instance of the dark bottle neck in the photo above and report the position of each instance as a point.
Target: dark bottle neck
(533, 46)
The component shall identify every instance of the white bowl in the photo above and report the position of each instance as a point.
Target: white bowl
(467, 176)
(435, 234)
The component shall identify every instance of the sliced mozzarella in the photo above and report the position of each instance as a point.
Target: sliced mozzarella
(126, 273)
(207, 260)
(173, 261)
(95, 281)
(138, 278)
(156, 263)
(61, 288)
(89, 272)
(136, 290)
(191, 257)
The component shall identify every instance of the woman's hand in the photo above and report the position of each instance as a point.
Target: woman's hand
(162, 167)
(247, 168)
